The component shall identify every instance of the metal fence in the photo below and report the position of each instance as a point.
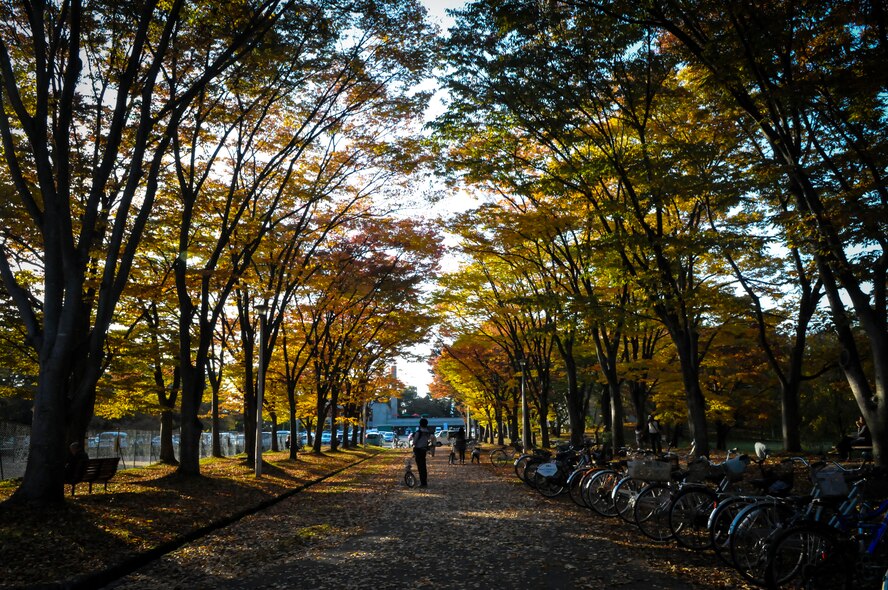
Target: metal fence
(136, 448)
(14, 440)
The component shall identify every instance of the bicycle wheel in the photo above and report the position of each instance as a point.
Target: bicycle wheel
(409, 479)
(750, 535)
(720, 525)
(869, 566)
(549, 486)
(689, 516)
(529, 473)
(810, 556)
(521, 464)
(652, 511)
(598, 491)
(624, 495)
(499, 458)
(575, 483)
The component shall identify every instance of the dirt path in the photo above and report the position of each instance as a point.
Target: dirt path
(471, 528)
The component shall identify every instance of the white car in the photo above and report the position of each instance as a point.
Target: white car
(112, 440)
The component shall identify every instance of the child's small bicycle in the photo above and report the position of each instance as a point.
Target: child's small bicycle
(409, 476)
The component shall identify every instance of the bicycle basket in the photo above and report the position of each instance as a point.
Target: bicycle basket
(734, 468)
(831, 482)
(650, 470)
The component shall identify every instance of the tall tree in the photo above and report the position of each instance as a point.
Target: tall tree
(611, 139)
(808, 77)
(87, 118)
(298, 123)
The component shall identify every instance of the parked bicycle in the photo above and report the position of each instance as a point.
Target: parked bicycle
(506, 454)
(848, 551)
(683, 502)
(754, 528)
(551, 477)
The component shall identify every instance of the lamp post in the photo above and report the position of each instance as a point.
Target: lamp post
(525, 417)
(217, 447)
(262, 308)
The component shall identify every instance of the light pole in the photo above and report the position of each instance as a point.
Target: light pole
(262, 308)
(525, 417)
(364, 425)
(217, 447)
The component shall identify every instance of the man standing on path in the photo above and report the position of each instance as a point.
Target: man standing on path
(654, 434)
(421, 440)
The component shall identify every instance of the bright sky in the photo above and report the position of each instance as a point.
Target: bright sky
(409, 372)
(436, 10)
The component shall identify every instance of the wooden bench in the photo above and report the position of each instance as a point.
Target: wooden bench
(862, 450)
(94, 471)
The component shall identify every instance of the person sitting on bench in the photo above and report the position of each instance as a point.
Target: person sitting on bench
(861, 439)
(75, 461)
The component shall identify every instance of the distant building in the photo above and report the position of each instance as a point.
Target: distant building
(386, 417)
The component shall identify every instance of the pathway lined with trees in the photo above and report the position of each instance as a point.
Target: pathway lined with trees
(471, 528)
(201, 205)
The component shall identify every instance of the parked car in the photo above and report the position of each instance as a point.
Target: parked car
(388, 436)
(238, 441)
(155, 442)
(7, 444)
(445, 437)
(112, 440)
(374, 438)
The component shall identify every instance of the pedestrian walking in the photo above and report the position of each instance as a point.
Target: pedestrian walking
(639, 436)
(459, 441)
(653, 427)
(422, 439)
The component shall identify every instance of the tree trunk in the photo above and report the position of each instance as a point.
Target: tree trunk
(574, 404)
(721, 435)
(189, 443)
(321, 408)
(43, 482)
(606, 350)
(291, 409)
(167, 450)
(686, 346)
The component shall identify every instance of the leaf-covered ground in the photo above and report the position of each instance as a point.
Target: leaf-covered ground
(142, 510)
(472, 527)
